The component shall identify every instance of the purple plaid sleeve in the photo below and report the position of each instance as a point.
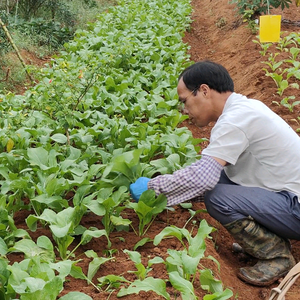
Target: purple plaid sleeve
(189, 182)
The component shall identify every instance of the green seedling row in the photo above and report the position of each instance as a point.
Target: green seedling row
(283, 66)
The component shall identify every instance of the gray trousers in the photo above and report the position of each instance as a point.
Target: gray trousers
(277, 211)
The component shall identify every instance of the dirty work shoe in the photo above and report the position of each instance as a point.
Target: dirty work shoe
(266, 272)
(272, 251)
(236, 248)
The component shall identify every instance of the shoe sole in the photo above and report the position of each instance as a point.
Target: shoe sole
(266, 283)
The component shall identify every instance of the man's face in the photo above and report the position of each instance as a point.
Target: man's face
(196, 104)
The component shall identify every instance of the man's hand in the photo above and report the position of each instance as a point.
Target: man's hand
(137, 188)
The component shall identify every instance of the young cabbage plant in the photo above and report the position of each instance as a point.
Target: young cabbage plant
(289, 103)
(156, 285)
(9, 233)
(142, 271)
(143, 283)
(15, 183)
(188, 206)
(4, 275)
(186, 261)
(69, 268)
(111, 282)
(208, 282)
(125, 168)
(213, 286)
(87, 235)
(182, 265)
(147, 208)
(286, 41)
(294, 51)
(182, 285)
(272, 63)
(181, 143)
(33, 279)
(109, 205)
(167, 165)
(49, 189)
(281, 83)
(43, 248)
(264, 46)
(95, 264)
(76, 296)
(62, 225)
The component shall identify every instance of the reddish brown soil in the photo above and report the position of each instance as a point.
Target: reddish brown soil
(217, 34)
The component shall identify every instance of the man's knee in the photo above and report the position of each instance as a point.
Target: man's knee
(217, 204)
(212, 200)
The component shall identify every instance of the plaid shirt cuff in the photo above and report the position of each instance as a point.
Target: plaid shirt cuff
(188, 183)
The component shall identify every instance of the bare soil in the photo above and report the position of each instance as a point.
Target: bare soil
(217, 34)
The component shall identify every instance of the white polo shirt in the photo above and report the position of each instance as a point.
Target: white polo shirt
(261, 148)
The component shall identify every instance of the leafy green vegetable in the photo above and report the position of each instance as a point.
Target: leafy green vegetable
(147, 208)
(95, 263)
(184, 286)
(185, 262)
(109, 205)
(148, 284)
(33, 279)
(43, 248)
(75, 296)
(142, 272)
(112, 281)
(62, 225)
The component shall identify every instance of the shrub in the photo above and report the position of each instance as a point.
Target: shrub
(259, 7)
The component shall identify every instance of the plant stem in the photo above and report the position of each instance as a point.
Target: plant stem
(75, 248)
(149, 226)
(90, 282)
(109, 295)
(188, 221)
(83, 93)
(133, 229)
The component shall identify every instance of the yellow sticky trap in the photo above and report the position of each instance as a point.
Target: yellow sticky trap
(269, 28)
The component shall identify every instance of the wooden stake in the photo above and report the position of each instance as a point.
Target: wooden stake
(16, 49)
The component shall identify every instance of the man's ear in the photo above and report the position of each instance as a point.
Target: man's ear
(204, 88)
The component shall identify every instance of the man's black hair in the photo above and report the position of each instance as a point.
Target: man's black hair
(207, 72)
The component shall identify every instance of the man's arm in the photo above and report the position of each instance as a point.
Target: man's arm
(220, 161)
(189, 182)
